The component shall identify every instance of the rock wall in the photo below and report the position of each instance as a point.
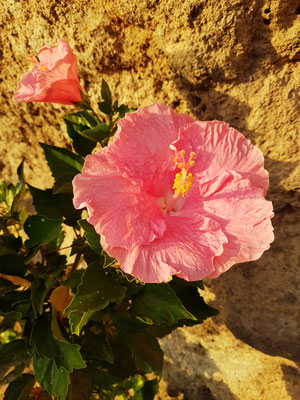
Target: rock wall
(236, 61)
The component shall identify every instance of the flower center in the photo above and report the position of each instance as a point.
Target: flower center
(31, 58)
(183, 179)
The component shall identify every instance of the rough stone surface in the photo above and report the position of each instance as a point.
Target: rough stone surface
(236, 61)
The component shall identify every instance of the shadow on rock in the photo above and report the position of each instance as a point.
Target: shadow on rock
(292, 379)
(189, 369)
(259, 301)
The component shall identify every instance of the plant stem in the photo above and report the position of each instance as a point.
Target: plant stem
(76, 262)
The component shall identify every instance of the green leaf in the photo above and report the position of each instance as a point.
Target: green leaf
(9, 244)
(116, 105)
(12, 264)
(64, 354)
(124, 364)
(2, 191)
(105, 92)
(150, 389)
(11, 315)
(45, 204)
(55, 206)
(11, 355)
(41, 230)
(109, 261)
(62, 185)
(81, 385)
(13, 195)
(81, 145)
(105, 107)
(81, 118)
(96, 134)
(90, 256)
(160, 331)
(78, 320)
(63, 163)
(96, 291)
(127, 324)
(17, 200)
(91, 236)
(123, 109)
(20, 388)
(39, 292)
(102, 379)
(178, 282)
(193, 301)
(52, 379)
(14, 374)
(6, 286)
(20, 172)
(55, 265)
(15, 305)
(147, 353)
(73, 280)
(157, 304)
(56, 329)
(95, 344)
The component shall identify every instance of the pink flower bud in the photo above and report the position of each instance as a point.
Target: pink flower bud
(54, 78)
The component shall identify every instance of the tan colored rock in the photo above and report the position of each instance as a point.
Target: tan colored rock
(216, 365)
(231, 60)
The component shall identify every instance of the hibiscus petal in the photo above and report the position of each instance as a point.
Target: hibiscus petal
(116, 207)
(140, 149)
(219, 147)
(53, 90)
(26, 86)
(187, 249)
(51, 55)
(244, 215)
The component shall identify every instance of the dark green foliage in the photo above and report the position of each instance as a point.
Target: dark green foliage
(64, 166)
(9, 244)
(158, 304)
(91, 236)
(64, 354)
(14, 354)
(55, 206)
(12, 264)
(15, 305)
(41, 230)
(51, 378)
(95, 291)
(20, 388)
(147, 353)
(82, 145)
(100, 334)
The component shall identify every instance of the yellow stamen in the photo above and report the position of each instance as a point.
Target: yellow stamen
(182, 183)
(43, 68)
(183, 180)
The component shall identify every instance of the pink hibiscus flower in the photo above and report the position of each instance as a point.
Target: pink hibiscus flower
(54, 78)
(175, 196)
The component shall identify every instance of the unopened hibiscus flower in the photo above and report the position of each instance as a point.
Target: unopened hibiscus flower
(54, 77)
(175, 196)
